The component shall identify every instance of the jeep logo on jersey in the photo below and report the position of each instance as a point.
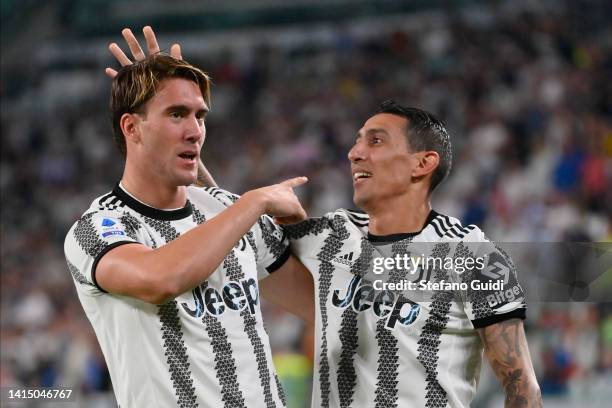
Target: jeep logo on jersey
(384, 304)
(234, 295)
(497, 269)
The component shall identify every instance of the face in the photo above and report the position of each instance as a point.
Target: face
(381, 163)
(171, 132)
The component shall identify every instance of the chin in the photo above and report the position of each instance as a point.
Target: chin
(186, 180)
(359, 201)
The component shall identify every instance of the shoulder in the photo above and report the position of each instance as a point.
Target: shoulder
(339, 222)
(206, 194)
(451, 229)
(105, 219)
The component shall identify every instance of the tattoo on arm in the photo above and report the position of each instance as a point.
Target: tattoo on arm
(506, 349)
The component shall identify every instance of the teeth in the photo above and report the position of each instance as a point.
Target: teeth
(361, 174)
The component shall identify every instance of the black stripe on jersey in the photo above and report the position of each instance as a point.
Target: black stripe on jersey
(460, 231)
(222, 196)
(359, 214)
(347, 377)
(311, 226)
(172, 333)
(164, 228)
(77, 275)
(175, 349)
(388, 358)
(332, 246)
(251, 240)
(87, 237)
(275, 246)
(225, 364)
(131, 225)
(234, 272)
(454, 229)
(429, 340)
(198, 217)
(438, 227)
(102, 201)
(281, 391)
(454, 232)
(359, 219)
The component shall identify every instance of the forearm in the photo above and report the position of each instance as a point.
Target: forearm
(506, 349)
(191, 259)
(157, 275)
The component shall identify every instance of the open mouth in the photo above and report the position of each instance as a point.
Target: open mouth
(359, 175)
(188, 156)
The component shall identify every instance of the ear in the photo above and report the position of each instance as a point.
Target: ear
(129, 126)
(428, 161)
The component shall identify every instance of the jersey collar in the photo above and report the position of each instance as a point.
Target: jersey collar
(152, 212)
(402, 235)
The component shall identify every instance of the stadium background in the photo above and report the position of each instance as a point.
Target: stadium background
(524, 87)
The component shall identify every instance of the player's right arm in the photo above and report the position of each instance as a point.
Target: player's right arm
(157, 275)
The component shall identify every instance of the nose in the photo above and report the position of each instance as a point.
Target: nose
(195, 130)
(356, 153)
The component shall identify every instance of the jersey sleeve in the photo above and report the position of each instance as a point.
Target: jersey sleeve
(90, 238)
(267, 239)
(271, 246)
(484, 305)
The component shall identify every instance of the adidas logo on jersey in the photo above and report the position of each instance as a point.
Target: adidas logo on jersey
(346, 259)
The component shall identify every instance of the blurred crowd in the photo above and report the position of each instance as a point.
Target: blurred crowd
(526, 96)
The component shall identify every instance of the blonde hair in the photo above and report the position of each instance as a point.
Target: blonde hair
(135, 84)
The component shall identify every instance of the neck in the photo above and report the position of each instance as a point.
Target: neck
(152, 191)
(399, 215)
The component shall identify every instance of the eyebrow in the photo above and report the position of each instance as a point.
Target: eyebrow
(372, 131)
(184, 108)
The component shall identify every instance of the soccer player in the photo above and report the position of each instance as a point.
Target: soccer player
(380, 346)
(167, 272)
(405, 347)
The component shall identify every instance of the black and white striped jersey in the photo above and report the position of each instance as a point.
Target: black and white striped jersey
(395, 347)
(207, 347)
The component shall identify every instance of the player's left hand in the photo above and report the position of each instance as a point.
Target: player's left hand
(136, 50)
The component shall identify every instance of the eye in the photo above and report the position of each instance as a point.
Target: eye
(175, 115)
(376, 140)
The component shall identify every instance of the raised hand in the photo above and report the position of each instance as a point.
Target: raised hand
(136, 50)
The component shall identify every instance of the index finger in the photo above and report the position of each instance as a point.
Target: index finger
(151, 40)
(132, 42)
(294, 182)
(119, 54)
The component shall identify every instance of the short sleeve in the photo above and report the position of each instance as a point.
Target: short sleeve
(267, 239)
(493, 293)
(271, 246)
(90, 238)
